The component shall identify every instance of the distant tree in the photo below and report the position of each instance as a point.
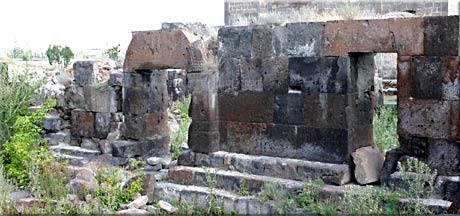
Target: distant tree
(114, 52)
(59, 55)
(18, 52)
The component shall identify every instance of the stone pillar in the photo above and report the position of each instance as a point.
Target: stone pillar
(145, 101)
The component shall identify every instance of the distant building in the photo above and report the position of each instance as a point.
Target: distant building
(239, 8)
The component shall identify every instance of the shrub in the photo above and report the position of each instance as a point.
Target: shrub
(179, 137)
(385, 128)
(16, 95)
(18, 152)
(272, 191)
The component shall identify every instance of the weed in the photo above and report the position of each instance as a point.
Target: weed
(309, 194)
(421, 182)
(179, 137)
(242, 189)
(385, 127)
(272, 191)
(214, 207)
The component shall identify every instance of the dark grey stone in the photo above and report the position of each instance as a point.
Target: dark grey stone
(82, 123)
(197, 82)
(427, 79)
(126, 148)
(391, 162)
(115, 79)
(101, 125)
(262, 46)
(229, 75)
(85, 73)
(52, 123)
(235, 42)
(135, 126)
(204, 142)
(101, 99)
(299, 39)
(257, 107)
(89, 144)
(289, 109)
(441, 36)
(156, 146)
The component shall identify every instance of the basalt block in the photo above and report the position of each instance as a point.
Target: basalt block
(101, 125)
(244, 137)
(235, 42)
(204, 142)
(262, 46)
(299, 39)
(156, 145)
(102, 99)
(229, 75)
(441, 35)
(309, 75)
(82, 123)
(289, 109)
(323, 110)
(199, 82)
(403, 36)
(85, 73)
(256, 107)
(156, 124)
(203, 106)
(126, 148)
(429, 118)
(135, 126)
(279, 140)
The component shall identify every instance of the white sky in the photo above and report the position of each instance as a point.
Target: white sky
(88, 24)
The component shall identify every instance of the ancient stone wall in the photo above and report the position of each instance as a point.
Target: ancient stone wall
(305, 90)
(236, 8)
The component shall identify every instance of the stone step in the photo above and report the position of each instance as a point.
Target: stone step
(293, 169)
(228, 180)
(65, 149)
(72, 160)
(198, 197)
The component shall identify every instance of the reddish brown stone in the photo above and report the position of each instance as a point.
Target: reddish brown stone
(256, 107)
(404, 36)
(157, 124)
(244, 138)
(82, 123)
(162, 49)
(181, 175)
(405, 74)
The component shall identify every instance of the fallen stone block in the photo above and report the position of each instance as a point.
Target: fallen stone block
(391, 162)
(132, 211)
(167, 207)
(138, 203)
(368, 163)
(89, 144)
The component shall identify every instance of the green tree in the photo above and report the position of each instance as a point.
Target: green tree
(59, 55)
(114, 52)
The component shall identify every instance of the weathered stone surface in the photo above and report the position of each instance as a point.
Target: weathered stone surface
(429, 118)
(258, 107)
(262, 45)
(78, 186)
(52, 123)
(132, 211)
(405, 76)
(368, 163)
(251, 76)
(325, 110)
(16, 195)
(82, 123)
(389, 166)
(138, 203)
(126, 149)
(441, 36)
(229, 75)
(276, 140)
(167, 207)
(88, 143)
(156, 146)
(135, 126)
(403, 36)
(322, 144)
(275, 75)
(134, 100)
(56, 138)
(156, 124)
(203, 106)
(244, 137)
(308, 74)
(299, 39)
(181, 175)
(204, 126)
(161, 49)
(74, 97)
(115, 79)
(85, 73)
(198, 82)
(102, 99)
(289, 109)
(204, 142)
(101, 125)
(105, 146)
(444, 156)
(235, 42)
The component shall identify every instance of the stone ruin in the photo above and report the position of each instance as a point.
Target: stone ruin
(287, 104)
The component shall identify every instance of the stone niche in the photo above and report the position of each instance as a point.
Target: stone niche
(305, 90)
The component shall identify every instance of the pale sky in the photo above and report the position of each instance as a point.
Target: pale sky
(88, 24)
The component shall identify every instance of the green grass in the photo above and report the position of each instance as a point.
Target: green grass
(181, 135)
(385, 128)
